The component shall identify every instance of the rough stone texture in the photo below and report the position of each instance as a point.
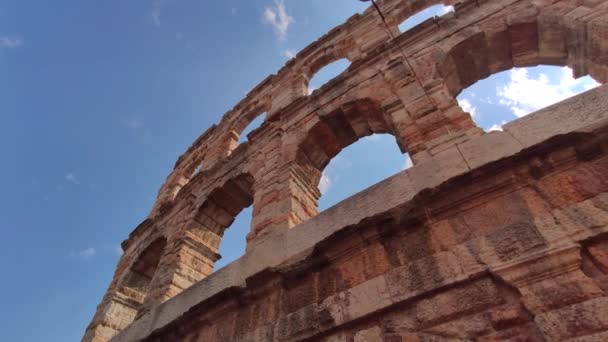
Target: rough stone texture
(498, 236)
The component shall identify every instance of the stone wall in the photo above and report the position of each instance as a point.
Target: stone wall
(493, 236)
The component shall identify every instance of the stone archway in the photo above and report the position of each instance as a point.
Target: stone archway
(528, 37)
(193, 249)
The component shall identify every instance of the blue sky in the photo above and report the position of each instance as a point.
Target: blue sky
(98, 99)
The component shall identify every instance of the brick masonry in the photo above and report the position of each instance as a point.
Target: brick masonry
(488, 236)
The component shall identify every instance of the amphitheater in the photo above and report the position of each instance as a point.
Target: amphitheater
(488, 236)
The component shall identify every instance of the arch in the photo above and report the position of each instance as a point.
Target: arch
(534, 39)
(220, 209)
(323, 59)
(333, 132)
(240, 125)
(416, 18)
(327, 73)
(319, 57)
(136, 281)
(340, 128)
(252, 126)
(414, 7)
(514, 93)
(358, 166)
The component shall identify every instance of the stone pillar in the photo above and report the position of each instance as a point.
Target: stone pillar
(285, 192)
(189, 257)
(115, 312)
(425, 117)
(124, 298)
(117, 309)
(221, 148)
(286, 203)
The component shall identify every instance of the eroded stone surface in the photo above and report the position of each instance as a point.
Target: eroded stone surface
(498, 236)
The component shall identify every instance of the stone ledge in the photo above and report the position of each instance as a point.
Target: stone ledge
(572, 115)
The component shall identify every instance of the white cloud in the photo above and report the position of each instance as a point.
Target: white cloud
(156, 11)
(289, 53)
(85, 254)
(278, 18)
(525, 94)
(70, 177)
(341, 163)
(7, 42)
(118, 250)
(133, 123)
(408, 162)
(324, 183)
(467, 106)
(496, 127)
(445, 9)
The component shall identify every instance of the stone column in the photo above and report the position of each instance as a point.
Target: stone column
(115, 312)
(117, 309)
(425, 117)
(189, 257)
(285, 192)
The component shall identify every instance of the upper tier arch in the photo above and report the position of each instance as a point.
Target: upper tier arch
(529, 37)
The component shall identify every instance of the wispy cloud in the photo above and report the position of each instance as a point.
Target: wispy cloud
(324, 183)
(277, 17)
(289, 53)
(524, 93)
(156, 12)
(496, 127)
(118, 250)
(70, 177)
(133, 123)
(467, 106)
(8, 42)
(445, 9)
(408, 162)
(85, 254)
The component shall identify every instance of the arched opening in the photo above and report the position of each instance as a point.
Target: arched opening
(137, 281)
(224, 206)
(327, 73)
(514, 93)
(359, 166)
(428, 13)
(479, 54)
(253, 125)
(332, 134)
(517, 48)
(234, 240)
(247, 122)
